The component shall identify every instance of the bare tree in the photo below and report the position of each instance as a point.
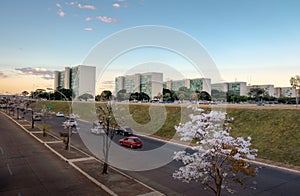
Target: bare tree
(106, 116)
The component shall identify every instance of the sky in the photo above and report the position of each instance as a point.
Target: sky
(255, 41)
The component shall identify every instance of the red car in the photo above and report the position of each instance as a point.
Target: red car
(132, 142)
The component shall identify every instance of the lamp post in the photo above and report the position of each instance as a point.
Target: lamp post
(70, 110)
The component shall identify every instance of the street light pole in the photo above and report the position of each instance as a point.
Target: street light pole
(70, 110)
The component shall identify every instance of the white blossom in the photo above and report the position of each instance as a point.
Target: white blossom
(215, 148)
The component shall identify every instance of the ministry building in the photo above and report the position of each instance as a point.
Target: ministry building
(81, 79)
(150, 83)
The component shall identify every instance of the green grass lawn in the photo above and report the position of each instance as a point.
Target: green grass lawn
(274, 132)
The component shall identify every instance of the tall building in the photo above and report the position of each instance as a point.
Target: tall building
(285, 92)
(268, 88)
(237, 88)
(150, 83)
(198, 84)
(81, 79)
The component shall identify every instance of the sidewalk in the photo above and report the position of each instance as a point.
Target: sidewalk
(114, 183)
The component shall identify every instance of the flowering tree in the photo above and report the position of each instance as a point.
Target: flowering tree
(218, 158)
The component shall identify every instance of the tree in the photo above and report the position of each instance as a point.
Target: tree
(256, 93)
(144, 97)
(106, 95)
(218, 95)
(85, 96)
(25, 93)
(169, 95)
(39, 93)
(218, 158)
(204, 96)
(105, 115)
(63, 94)
(295, 83)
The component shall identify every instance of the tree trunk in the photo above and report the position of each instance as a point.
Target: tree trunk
(218, 193)
(44, 132)
(67, 143)
(106, 149)
(32, 120)
(105, 167)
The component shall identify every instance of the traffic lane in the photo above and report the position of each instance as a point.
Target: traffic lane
(269, 180)
(56, 126)
(29, 168)
(272, 181)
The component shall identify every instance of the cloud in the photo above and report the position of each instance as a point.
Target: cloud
(61, 13)
(88, 19)
(2, 75)
(44, 73)
(88, 29)
(116, 5)
(122, 3)
(71, 3)
(58, 5)
(107, 19)
(90, 7)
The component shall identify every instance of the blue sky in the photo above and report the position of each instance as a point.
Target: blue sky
(256, 41)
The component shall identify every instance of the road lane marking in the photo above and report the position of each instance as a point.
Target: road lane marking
(82, 159)
(9, 170)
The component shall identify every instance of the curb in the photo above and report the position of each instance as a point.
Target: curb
(102, 186)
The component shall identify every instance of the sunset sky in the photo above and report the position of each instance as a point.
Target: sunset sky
(256, 41)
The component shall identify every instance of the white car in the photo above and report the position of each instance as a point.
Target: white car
(70, 123)
(60, 114)
(73, 116)
(37, 117)
(98, 130)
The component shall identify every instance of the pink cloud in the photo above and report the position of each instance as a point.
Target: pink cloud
(61, 13)
(88, 19)
(116, 5)
(88, 29)
(90, 7)
(107, 19)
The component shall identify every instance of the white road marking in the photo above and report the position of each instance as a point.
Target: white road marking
(9, 170)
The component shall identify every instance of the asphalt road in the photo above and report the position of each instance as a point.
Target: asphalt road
(28, 168)
(269, 181)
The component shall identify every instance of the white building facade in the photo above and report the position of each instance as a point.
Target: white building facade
(285, 92)
(150, 83)
(81, 79)
(197, 84)
(268, 88)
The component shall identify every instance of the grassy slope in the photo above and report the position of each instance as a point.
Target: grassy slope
(275, 132)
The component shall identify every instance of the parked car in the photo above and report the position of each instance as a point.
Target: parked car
(124, 131)
(131, 141)
(60, 114)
